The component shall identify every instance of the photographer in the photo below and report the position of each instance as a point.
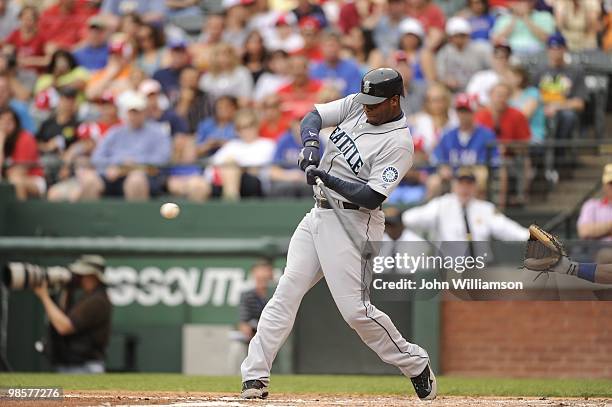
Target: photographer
(79, 324)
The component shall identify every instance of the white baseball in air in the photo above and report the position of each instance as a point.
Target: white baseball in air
(169, 210)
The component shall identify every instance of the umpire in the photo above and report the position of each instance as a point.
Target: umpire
(80, 321)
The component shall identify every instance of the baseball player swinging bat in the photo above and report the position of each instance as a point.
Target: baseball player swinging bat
(369, 152)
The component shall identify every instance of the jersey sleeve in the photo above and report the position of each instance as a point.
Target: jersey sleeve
(334, 113)
(389, 168)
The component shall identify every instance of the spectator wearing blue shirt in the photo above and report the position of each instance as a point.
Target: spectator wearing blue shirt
(343, 74)
(94, 54)
(306, 8)
(386, 33)
(468, 145)
(19, 107)
(123, 156)
(286, 177)
(215, 131)
(148, 10)
(159, 110)
(480, 18)
(169, 77)
(528, 100)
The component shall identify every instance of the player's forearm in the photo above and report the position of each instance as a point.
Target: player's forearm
(360, 194)
(594, 230)
(310, 127)
(58, 319)
(603, 274)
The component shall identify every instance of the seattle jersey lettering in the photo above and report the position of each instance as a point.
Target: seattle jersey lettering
(348, 148)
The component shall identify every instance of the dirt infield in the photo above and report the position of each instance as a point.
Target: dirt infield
(191, 399)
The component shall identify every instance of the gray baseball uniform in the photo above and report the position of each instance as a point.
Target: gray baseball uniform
(358, 152)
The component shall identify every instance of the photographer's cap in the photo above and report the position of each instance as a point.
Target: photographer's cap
(89, 264)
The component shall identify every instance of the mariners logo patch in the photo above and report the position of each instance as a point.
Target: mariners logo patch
(390, 174)
(366, 87)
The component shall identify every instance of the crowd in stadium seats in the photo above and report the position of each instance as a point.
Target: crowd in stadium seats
(202, 99)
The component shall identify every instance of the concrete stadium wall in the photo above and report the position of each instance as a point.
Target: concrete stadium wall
(527, 339)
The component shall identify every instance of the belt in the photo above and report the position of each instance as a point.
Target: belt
(324, 204)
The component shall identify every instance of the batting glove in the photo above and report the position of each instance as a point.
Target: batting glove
(310, 155)
(312, 173)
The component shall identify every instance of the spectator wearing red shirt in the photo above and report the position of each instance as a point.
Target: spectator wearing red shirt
(353, 13)
(27, 41)
(499, 3)
(510, 126)
(64, 24)
(107, 117)
(299, 96)
(508, 123)
(310, 29)
(273, 124)
(19, 146)
(431, 17)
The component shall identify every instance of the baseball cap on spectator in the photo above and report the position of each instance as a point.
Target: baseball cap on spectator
(96, 21)
(106, 97)
(310, 24)
(68, 92)
(177, 44)
(226, 4)
(607, 174)
(134, 101)
(463, 101)
(286, 19)
(120, 47)
(556, 40)
(411, 26)
(465, 174)
(502, 46)
(149, 86)
(458, 26)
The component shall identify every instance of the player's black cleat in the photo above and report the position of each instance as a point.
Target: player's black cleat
(254, 389)
(425, 384)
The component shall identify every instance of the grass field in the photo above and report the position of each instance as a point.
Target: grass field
(321, 384)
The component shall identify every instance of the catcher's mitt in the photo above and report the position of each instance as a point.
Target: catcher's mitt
(544, 250)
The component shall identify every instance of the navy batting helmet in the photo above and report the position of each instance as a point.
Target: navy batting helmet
(378, 85)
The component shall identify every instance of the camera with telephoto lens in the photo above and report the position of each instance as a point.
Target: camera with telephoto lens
(19, 276)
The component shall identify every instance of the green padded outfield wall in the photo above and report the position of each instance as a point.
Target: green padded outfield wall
(193, 290)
